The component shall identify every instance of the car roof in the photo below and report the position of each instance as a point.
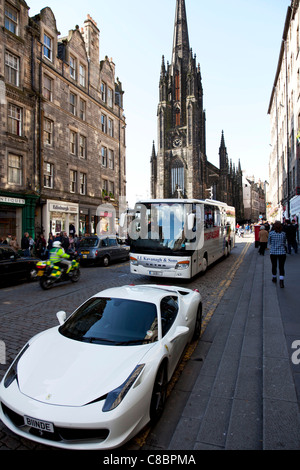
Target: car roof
(145, 293)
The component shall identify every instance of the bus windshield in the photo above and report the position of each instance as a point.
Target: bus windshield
(160, 227)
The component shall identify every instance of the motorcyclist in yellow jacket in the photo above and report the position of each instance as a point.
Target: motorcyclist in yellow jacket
(58, 256)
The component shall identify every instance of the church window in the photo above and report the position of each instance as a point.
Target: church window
(177, 178)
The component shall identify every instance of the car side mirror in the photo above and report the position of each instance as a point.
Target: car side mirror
(180, 331)
(61, 316)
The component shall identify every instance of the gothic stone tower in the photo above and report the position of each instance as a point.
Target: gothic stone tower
(179, 168)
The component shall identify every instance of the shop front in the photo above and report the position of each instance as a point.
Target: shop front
(60, 216)
(17, 214)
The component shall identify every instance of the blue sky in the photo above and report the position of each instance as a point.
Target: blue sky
(237, 45)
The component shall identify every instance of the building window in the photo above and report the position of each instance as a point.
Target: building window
(11, 19)
(72, 67)
(110, 127)
(12, 69)
(14, 119)
(82, 146)
(105, 186)
(73, 181)
(104, 156)
(103, 91)
(48, 88)
(82, 75)
(103, 123)
(110, 97)
(73, 103)
(73, 142)
(15, 169)
(82, 184)
(111, 159)
(111, 188)
(48, 47)
(48, 175)
(48, 131)
(82, 108)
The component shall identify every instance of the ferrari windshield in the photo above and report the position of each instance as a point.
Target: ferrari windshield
(160, 227)
(113, 321)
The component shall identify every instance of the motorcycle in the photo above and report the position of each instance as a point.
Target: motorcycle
(49, 273)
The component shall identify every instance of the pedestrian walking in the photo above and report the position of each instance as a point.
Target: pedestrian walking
(25, 244)
(263, 240)
(291, 233)
(277, 243)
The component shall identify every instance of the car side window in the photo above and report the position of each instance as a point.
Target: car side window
(112, 242)
(7, 253)
(104, 242)
(1, 254)
(169, 309)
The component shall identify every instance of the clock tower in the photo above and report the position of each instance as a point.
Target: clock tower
(179, 168)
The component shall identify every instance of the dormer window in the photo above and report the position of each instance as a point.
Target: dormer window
(11, 19)
(48, 47)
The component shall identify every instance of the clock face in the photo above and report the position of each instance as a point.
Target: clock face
(177, 142)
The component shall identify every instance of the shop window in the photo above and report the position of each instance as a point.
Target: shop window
(15, 170)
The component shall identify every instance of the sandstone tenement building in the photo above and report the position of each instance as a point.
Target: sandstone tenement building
(62, 136)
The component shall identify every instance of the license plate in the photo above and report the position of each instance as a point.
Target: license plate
(40, 273)
(38, 424)
(85, 252)
(155, 273)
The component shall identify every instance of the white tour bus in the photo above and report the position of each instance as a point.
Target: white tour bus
(179, 237)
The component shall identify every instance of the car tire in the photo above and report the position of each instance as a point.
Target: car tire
(198, 324)
(105, 261)
(159, 394)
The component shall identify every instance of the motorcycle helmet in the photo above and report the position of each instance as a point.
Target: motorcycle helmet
(56, 244)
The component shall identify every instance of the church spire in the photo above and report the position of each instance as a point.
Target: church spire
(181, 48)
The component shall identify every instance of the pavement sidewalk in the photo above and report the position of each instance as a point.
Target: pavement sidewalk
(241, 390)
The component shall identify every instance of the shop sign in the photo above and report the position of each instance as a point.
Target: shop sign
(63, 208)
(11, 200)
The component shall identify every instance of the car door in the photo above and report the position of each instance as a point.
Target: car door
(169, 308)
(9, 264)
(113, 249)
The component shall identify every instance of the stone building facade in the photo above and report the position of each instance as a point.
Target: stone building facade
(284, 110)
(63, 124)
(179, 167)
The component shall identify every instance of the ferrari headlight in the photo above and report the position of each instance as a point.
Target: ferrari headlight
(115, 397)
(11, 374)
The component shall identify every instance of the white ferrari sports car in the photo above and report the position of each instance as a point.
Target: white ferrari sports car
(98, 378)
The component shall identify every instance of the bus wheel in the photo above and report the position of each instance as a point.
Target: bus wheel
(204, 264)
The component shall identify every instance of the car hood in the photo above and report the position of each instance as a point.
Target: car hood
(60, 371)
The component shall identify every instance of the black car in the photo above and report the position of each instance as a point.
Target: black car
(15, 267)
(102, 249)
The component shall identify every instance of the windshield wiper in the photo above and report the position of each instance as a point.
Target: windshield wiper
(92, 339)
(132, 341)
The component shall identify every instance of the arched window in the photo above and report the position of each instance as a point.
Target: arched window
(177, 177)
